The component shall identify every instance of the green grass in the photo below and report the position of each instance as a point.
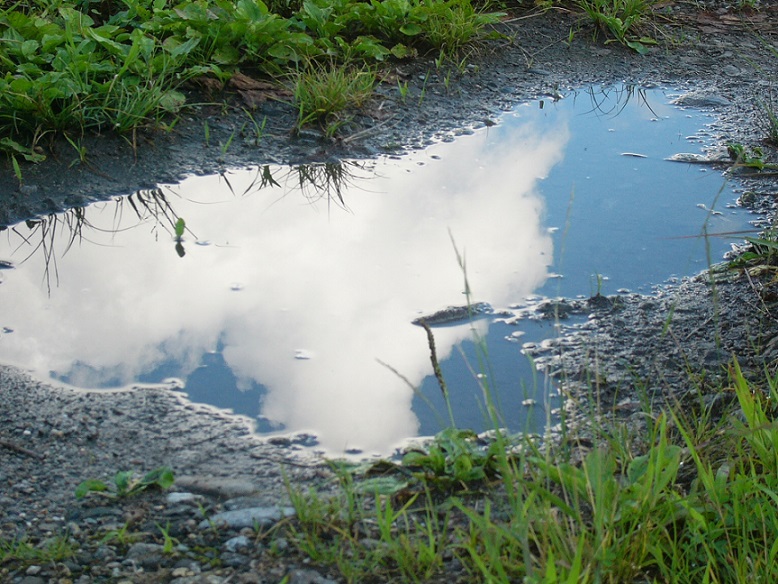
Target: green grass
(700, 503)
(621, 20)
(24, 551)
(326, 94)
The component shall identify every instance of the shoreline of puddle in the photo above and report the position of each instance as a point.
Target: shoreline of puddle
(305, 436)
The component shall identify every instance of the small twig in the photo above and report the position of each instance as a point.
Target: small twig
(20, 449)
(434, 357)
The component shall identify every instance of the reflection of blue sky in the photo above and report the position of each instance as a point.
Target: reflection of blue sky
(340, 286)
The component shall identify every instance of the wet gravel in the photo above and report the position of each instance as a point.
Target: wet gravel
(633, 348)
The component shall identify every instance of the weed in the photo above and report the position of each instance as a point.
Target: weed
(259, 127)
(324, 93)
(17, 170)
(102, 66)
(769, 121)
(226, 146)
(170, 543)
(55, 549)
(402, 87)
(450, 26)
(423, 92)
(620, 19)
(80, 150)
(121, 536)
(125, 484)
(748, 157)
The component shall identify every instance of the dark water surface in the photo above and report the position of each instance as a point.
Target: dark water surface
(290, 297)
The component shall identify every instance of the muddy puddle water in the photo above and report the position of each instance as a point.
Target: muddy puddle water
(290, 295)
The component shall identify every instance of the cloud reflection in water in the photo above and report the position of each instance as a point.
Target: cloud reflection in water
(284, 274)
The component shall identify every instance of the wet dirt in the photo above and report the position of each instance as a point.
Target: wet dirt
(722, 56)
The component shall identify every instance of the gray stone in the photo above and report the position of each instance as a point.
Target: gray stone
(255, 516)
(176, 498)
(216, 487)
(237, 544)
(701, 99)
(148, 555)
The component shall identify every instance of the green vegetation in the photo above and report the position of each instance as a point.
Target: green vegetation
(324, 92)
(698, 503)
(125, 484)
(54, 549)
(68, 68)
(622, 20)
(71, 68)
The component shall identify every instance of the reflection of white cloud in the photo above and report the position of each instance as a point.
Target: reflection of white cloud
(341, 286)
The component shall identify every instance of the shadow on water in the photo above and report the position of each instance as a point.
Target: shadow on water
(224, 286)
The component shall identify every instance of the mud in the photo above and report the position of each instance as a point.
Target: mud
(726, 57)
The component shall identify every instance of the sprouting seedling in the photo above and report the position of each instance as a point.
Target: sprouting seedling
(403, 88)
(179, 227)
(17, 170)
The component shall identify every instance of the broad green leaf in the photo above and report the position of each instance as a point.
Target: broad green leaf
(172, 101)
(400, 51)
(411, 29)
(226, 55)
(637, 468)
(30, 48)
(122, 481)
(90, 485)
(177, 50)
(163, 476)
(638, 47)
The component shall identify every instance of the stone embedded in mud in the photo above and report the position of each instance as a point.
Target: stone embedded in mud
(252, 517)
(217, 487)
(701, 100)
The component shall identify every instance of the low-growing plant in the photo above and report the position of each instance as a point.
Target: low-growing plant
(455, 460)
(126, 484)
(622, 20)
(22, 551)
(769, 119)
(326, 93)
(748, 156)
(258, 127)
(169, 543)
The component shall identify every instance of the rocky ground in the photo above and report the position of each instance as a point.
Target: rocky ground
(51, 439)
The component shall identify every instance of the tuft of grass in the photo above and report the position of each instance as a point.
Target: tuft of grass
(326, 93)
(621, 20)
(451, 26)
(769, 120)
(25, 552)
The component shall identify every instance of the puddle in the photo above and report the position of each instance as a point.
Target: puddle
(291, 294)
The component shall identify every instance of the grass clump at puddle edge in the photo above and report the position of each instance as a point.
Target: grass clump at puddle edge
(697, 503)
